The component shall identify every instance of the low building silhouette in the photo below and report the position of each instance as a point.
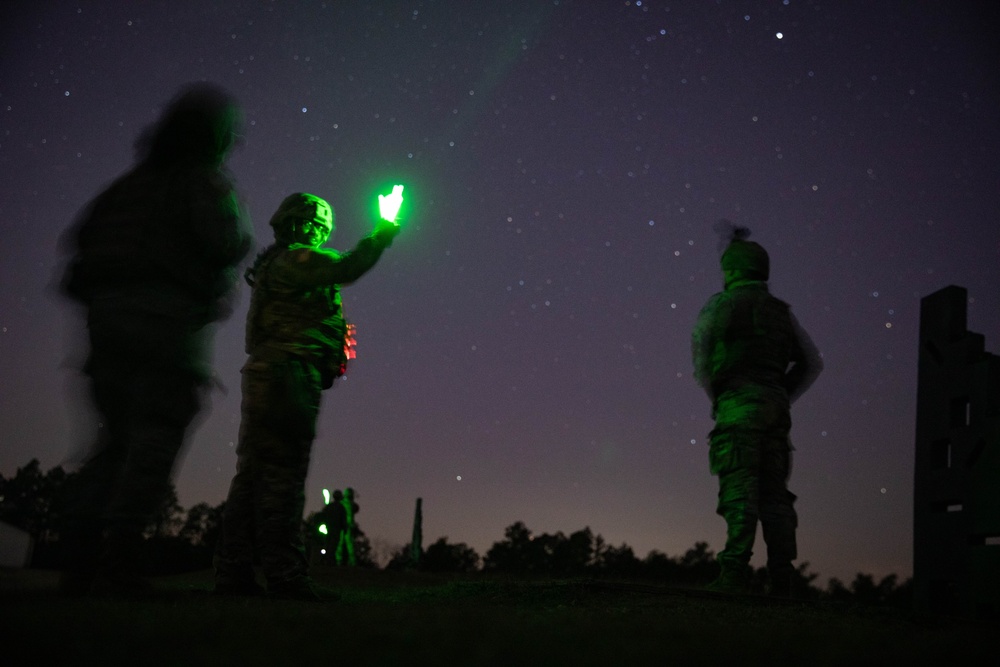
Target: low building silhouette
(16, 546)
(956, 515)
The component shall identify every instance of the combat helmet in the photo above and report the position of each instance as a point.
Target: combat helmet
(742, 256)
(301, 206)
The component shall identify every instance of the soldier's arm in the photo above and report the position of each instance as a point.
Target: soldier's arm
(316, 267)
(806, 363)
(704, 339)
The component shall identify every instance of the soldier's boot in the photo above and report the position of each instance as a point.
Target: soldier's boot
(734, 578)
(734, 559)
(779, 526)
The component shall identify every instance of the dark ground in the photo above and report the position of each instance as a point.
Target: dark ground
(392, 619)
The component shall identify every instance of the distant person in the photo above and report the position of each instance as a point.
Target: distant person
(332, 519)
(298, 343)
(754, 360)
(345, 543)
(153, 260)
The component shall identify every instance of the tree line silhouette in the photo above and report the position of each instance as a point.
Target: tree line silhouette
(179, 540)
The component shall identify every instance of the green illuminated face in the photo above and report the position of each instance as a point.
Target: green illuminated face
(317, 232)
(309, 219)
(313, 233)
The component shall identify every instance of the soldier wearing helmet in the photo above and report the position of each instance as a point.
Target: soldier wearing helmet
(345, 544)
(753, 359)
(298, 342)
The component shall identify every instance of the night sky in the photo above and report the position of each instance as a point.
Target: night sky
(524, 346)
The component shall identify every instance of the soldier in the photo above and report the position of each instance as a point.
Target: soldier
(334, 517)
(753, 359)
(298, 343)
(345, 542)
(154, 263)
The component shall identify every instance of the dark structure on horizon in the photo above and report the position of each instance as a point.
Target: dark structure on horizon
(956, 490)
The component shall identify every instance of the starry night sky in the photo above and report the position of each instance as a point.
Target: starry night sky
(524, 346)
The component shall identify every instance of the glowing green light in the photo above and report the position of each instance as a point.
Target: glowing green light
(326, 496)
(322, 529)
(388, 205)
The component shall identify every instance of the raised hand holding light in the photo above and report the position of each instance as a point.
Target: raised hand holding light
(388, 205)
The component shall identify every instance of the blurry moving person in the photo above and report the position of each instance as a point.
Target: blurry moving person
(154, 261)
(298, 343)
(754, 360)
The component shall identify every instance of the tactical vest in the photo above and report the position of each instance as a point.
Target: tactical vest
(306, 323)
(757, 342)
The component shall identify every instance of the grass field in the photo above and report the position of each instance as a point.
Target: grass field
(387, 618)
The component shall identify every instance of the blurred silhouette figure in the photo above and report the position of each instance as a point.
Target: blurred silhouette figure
(331, 519)
(345, 543)
(417, 539)
(153, 261)
(298, 343)
(753, 359)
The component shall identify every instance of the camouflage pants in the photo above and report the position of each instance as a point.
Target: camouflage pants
(146, 410)
(263, 513)
(750, 452)
(345, 548)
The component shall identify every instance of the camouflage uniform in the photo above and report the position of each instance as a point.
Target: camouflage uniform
(297, 345)
(345, 539)
(154, 264)
(753, 359)
(334, 517)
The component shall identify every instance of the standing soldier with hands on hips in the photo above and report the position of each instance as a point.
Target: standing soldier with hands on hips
(298, 343)
(753, 359)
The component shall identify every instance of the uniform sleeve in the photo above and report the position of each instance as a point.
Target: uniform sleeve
(806, 363)
(705, 338)
(318, 267)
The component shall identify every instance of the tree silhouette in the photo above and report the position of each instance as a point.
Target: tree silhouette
(178, 540)
(697, 556)
(175, 540)
(203, 524)
(364, 556)
(864, 590)
(515, 554)
(168, 518)
(581, 553)
(571, 556)
(29, 499)
(444, 557)
(400, 559)
(617, 561)
(658, 565)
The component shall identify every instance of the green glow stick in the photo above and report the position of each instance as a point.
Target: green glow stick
(388, 205)
(326, 496)
(322, 528)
